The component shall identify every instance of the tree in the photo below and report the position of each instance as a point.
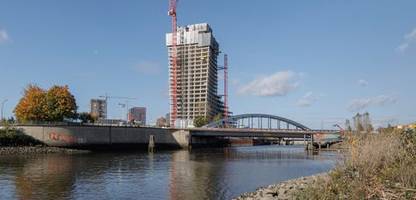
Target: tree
(200, 121)
(32, 106)
(60, 103)
(217, 117)
(56, 104)
(86, 117)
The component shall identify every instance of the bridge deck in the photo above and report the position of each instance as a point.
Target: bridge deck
(237, 132)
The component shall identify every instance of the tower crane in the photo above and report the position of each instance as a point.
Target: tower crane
(342, 131)
(226, 87)
(173, 84)
(106, 97)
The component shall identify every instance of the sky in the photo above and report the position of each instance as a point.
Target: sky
(316, 62)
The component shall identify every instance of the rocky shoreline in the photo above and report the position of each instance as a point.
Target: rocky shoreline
(284, 190)
(23, 150)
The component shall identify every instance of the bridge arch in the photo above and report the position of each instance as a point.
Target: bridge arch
(257, 121)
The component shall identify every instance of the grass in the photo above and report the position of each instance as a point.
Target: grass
(376, 166)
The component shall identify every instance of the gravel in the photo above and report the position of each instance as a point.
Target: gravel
(38, 150)
(284, 190)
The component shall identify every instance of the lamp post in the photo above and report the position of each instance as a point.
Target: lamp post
(2, 107)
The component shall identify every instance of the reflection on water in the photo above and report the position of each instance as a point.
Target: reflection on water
(200, 174)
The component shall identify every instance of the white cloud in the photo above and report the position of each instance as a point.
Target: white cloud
(277, 84)
(307, 100)
(3, 36)
(408, 39)
(361, 104)
(148, 68)
(362, 83)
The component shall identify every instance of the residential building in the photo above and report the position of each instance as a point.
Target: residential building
(98, 108)
(137, 115)
(197, 74)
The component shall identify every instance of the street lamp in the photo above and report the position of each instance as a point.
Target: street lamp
(2, 107)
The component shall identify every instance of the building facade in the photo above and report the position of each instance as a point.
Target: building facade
(197, 74)
(98, 108)
(137, 115)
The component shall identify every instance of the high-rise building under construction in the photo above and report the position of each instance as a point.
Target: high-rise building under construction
(196, 74)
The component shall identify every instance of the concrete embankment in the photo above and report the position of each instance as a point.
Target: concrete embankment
(284, 190)
(89, 136)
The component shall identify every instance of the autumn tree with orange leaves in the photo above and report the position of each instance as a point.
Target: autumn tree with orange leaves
(39, 105)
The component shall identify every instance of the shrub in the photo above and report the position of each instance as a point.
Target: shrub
(12, 137)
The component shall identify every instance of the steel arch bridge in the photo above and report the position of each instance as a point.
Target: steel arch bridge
(258, 121)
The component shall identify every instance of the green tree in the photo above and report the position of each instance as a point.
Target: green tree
(86, 117)
(200, 121)
(217, 117)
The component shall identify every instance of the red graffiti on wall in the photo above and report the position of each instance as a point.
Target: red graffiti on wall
(62, 137)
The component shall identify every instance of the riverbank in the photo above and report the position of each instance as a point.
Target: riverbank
(284, 190)
(375, 166)
(24, 150)
(13, 142)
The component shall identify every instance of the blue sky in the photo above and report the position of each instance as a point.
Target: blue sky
(316, 62)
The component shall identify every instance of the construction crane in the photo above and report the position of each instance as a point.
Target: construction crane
(173, 84)
(225, 87)
(342, 131)
(106, 97)
(225, 94)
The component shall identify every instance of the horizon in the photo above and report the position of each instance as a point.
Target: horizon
(319, 64)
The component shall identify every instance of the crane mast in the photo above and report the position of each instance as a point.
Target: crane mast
(225, 87)
(173, 83)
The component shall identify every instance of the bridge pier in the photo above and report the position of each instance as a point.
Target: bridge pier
(304, 141)
(151, 146)
(309, 145)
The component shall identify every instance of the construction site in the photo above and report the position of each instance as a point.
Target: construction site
(194, 69)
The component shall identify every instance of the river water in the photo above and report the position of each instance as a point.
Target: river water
(220, 173)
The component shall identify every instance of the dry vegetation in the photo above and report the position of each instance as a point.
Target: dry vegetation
(376, 166)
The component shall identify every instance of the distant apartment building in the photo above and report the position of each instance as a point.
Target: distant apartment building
(99, 108)
(197, 74)
(138, 115)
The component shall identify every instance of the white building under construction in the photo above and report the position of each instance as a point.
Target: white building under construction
(196, 74)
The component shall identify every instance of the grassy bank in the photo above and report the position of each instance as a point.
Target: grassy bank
(10, 137)
(376, 166)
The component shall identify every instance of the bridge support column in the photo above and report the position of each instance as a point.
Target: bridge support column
(190, 142)
(305, 144)
(310, 146)
(151, 143)
(319, 145)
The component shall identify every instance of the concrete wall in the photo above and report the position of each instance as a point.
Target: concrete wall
(87, 136)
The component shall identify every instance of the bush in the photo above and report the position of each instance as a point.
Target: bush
(12, 137)
(200, 121)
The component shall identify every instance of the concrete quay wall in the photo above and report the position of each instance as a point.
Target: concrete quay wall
(89, 136)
